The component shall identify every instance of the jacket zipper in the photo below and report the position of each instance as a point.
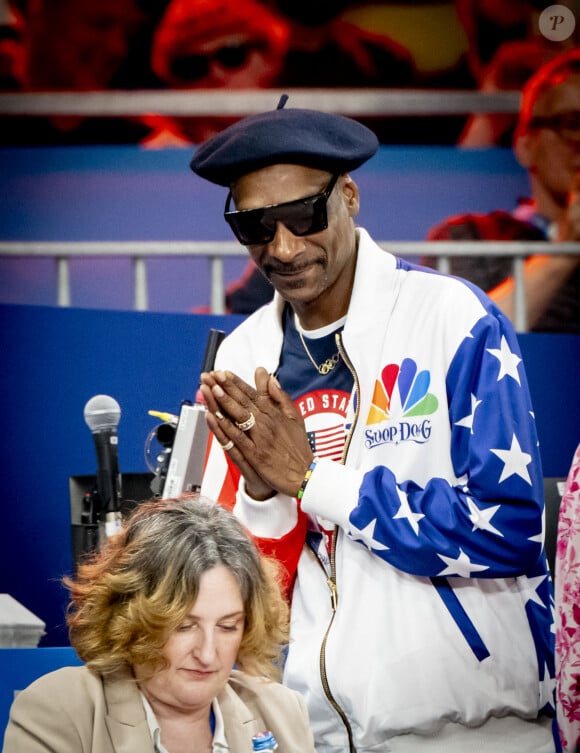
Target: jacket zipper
(350, 367)
(331, 579)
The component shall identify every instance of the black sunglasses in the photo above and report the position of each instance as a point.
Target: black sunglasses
(301, 217)
(566, 124)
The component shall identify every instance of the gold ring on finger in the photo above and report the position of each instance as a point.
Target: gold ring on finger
(227, 446)
(247, 424)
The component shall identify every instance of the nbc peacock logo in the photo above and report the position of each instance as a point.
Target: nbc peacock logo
(400, 397)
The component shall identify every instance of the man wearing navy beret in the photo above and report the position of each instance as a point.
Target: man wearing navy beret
(372, 428)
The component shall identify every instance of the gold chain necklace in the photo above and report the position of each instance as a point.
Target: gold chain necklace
(326, 366)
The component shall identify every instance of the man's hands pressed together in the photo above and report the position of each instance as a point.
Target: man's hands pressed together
(271, 450)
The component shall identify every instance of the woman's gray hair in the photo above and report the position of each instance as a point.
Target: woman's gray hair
(180, 539)
(127, 598)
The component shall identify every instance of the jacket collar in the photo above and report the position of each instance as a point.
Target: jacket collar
(374, 292)
(125, 716)
(240, 722)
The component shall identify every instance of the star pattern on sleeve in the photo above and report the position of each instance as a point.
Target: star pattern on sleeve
(508, 361)
(467, 421)
(547, 687)
(540, 538)
(515, 461)
(405, 512)
(530, 587)
(367, 536)
(462, 565)
(481, 519)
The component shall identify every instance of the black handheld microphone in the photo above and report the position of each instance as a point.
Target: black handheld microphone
(213, 342)
(102, 414)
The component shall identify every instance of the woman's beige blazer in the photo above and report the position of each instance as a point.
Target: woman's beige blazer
(74, 710)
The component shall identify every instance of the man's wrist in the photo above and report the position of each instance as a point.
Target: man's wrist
(258, 496)
(306, 478)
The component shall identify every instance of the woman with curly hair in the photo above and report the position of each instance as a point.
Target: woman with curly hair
(160, 616)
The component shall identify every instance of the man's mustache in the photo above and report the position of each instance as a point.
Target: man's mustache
(280, 268)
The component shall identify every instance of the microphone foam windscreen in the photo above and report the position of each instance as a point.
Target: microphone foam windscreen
(102, 412)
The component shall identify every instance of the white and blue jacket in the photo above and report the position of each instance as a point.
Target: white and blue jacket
(429, 628)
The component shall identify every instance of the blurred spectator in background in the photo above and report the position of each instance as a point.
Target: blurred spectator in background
(327, 50)
(76, 45)
(72, 45)
(489, 24)
(10, 47)
(431, 33)
(509, 69)
(419, 45)
(248, 293)
(209, 44)
(506, 47)
(547, 144)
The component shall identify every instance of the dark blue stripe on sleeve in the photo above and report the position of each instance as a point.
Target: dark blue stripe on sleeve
(461, 618)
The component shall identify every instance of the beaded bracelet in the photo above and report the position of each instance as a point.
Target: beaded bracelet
(306, 479)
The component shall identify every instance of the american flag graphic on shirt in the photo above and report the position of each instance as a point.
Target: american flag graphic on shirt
(328, 442)
(324, 413)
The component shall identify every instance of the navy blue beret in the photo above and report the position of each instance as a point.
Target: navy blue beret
(325, 141)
